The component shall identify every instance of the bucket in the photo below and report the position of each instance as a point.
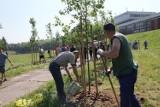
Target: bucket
(74, 88)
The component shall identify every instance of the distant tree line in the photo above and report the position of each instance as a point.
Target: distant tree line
(24, 47)
(3, 43)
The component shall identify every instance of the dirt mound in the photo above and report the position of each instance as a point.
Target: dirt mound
(93, 99)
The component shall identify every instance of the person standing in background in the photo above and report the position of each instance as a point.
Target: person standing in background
(3, 58)
(41, 55)
(145, 44)
(64, 48)
(138, 45)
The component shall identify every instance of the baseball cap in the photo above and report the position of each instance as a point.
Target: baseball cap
(109, 26)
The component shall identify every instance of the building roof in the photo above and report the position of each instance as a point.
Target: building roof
(134, 12)
(141, 19)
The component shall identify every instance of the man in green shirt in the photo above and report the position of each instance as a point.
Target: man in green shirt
(122, 64)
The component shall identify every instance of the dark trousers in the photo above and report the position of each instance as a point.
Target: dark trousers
(56, 73)
(127, 96)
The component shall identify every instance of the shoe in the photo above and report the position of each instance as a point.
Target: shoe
(4, 80)
(1, 81)
(70, 103)
(62, 99)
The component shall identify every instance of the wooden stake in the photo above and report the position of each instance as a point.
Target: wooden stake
(94, 62)
(82, 59)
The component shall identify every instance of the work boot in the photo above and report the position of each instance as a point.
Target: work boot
(62, 99)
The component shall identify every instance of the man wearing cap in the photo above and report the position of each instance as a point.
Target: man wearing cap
(122, 64)
(62, 60)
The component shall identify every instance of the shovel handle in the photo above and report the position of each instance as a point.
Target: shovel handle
(111, 83)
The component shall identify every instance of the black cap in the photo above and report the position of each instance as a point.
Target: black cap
(109, 26)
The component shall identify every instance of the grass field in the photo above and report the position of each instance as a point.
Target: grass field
(152, 37)
(22, 64)
(149, 69)
(147, 85)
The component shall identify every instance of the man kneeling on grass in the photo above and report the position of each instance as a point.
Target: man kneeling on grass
(62, 60)
(3, 58)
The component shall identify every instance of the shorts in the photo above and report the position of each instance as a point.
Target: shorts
(2, 69)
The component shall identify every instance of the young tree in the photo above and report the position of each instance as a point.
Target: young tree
(1, 27)
(49, 31)
(50, 34)
(33, 39)
(65, 30)
(3, 43)
(58, 39)
(82, 11)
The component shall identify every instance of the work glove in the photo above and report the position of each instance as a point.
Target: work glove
(107, 73)
(99, 51)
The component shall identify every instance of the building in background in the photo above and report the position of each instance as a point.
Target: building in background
(133, 22)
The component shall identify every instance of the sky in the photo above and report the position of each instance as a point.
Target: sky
(15, 15)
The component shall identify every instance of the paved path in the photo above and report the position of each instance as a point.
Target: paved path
(23, 84)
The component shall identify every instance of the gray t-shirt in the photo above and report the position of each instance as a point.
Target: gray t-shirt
(64, 58)
(3, 58)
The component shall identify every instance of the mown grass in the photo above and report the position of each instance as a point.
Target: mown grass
(147, 85)
(22, 64)
(152, 37)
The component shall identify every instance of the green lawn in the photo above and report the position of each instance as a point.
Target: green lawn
(22, 64)
(152, 37)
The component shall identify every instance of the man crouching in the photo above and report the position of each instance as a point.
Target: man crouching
(62, 60)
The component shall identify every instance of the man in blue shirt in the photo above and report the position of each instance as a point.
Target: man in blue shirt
(3, 58)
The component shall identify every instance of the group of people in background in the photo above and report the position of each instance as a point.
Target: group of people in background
(136, 45)
(64, 47)
(72, 48)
